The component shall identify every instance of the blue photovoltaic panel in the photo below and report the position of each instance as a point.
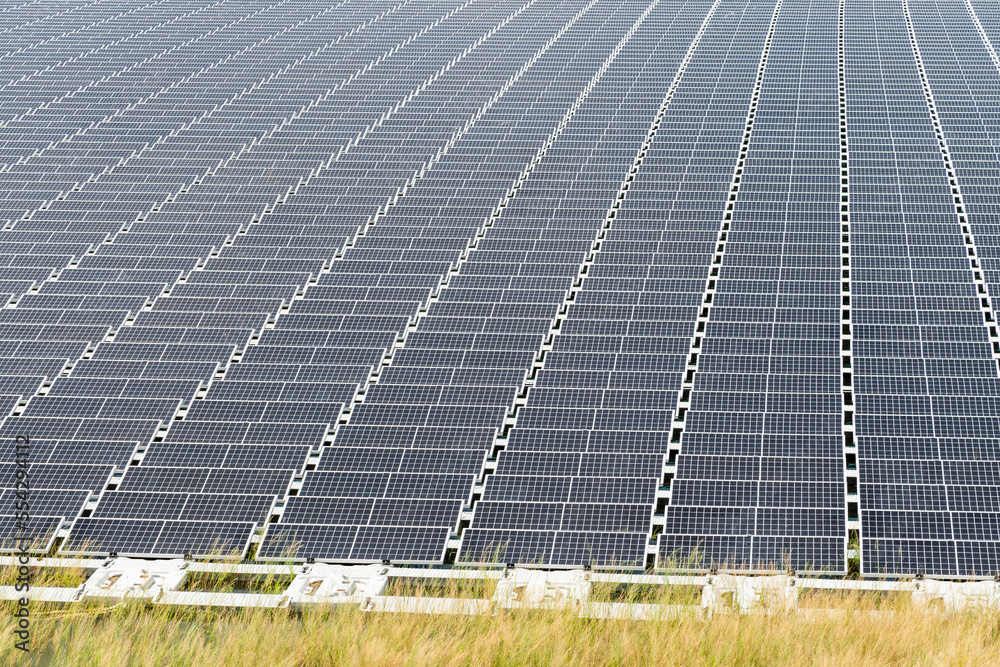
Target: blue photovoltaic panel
(622, 284)
(600, 412)
(966, 409)
(760, 471)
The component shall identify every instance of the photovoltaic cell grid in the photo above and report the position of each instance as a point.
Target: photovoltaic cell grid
(762, 437)
(598, 283)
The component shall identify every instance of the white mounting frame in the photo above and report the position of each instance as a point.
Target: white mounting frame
(160, 581)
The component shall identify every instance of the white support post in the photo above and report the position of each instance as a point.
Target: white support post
(957, 595)
(118, 578)
(770, 594)
(524, 588)
(319, 583)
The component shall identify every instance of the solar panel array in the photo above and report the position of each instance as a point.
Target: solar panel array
(609, 283)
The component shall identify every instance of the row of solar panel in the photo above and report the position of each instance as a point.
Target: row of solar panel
(547, 203)
(128, 372)
(392, 322)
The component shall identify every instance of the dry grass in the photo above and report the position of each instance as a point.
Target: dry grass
(136, 633)
(56, 577)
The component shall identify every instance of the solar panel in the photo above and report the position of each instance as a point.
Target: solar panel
(620, 284)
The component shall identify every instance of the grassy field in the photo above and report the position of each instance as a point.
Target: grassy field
(865, 630)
